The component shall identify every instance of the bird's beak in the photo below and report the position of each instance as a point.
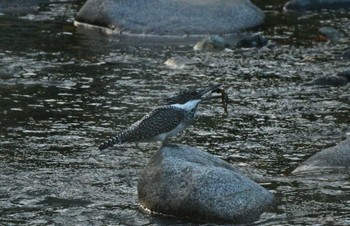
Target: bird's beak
(210, 89)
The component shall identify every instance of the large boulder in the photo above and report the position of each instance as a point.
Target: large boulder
(171, 17)
(333, 158)
(186, 182)
(302, 5)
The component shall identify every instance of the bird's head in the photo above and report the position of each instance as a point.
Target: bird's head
(194, 95)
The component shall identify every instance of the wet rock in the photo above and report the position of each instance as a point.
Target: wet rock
(346, 54)
(333, 80)
(176, 17)
(303, 5)
(337, 157)
(332, 34)
(211, 43)
(345, 74)
(252, 41)
(179, 62)
(20, 6)
(186, 182)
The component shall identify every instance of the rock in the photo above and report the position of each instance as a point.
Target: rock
(341, 79)
(332, 34)
(211, 43)
(346, 54)
(186, 182)
(303, 5)
(19, 6)
(176, 17)
(179, 62)
(345, 74)
(252, 41)
(333, 158)
(333, 80)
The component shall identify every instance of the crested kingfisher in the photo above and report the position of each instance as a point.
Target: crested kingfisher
(165, 121)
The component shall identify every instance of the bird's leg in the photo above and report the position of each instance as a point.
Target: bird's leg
(167, 143)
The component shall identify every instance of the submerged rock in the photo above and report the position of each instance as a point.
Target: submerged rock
(176, 17)
(337, 157)
(211, 43)
(332, 80)
(186, 182)
(345, 74)
(179, 62)
(341, 79)
(302, 5)
(20, 6)
(252, 41)
(332, 34)
(346, 54)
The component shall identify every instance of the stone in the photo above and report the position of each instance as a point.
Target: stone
(175, 17)
(346, 54)
(332, 34)
(211, 43)
(252, 41)
(333, 80)
(180, 62)
(345, 74)
(186, 182)
(20, 7)
(333, 158)
(304, 5)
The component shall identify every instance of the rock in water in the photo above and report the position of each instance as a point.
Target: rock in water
(333, 158)
(171, 17)
(303, 5)
(346, 54)
(345, 74)
(211, 43)
(252, 41)
(333, 80)
(20, 7)
(179, 62)
(332, 34)
(186, 182)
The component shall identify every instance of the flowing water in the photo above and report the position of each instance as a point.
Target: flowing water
(62, 91)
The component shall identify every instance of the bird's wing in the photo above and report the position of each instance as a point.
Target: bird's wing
(158, 121)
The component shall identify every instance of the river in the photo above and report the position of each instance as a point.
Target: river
(63, 91)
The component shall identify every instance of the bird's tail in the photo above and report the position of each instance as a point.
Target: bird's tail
(110, 142)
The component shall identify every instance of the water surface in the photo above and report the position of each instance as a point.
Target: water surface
(62, 91)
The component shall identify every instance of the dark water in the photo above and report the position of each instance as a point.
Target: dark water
(62, 91)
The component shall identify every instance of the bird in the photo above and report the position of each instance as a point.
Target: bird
(165, 121)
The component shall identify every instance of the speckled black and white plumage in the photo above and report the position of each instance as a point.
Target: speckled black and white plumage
(152, 126)
(163, 122)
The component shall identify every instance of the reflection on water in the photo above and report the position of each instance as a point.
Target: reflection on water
(62, 92)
